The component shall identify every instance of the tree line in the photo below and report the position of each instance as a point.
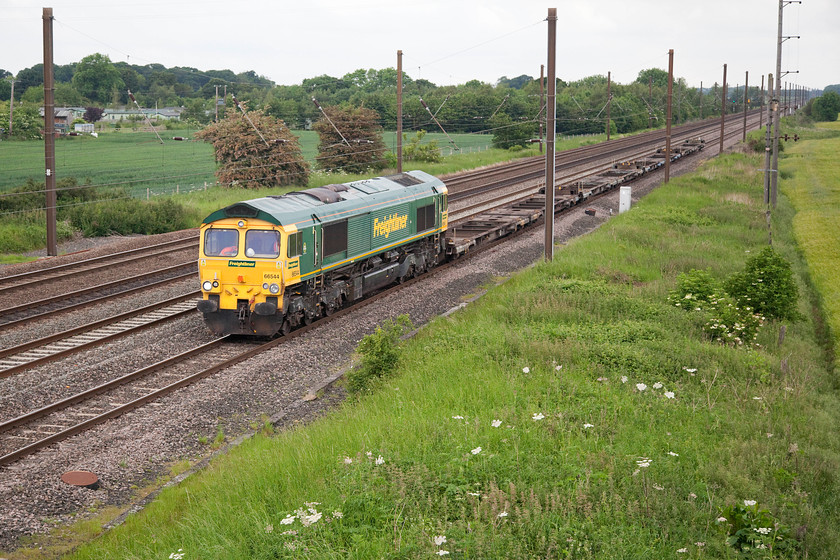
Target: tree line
(510, 109)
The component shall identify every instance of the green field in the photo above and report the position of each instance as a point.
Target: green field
(573, 412)
(138, 161)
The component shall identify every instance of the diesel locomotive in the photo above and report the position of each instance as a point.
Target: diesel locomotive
(269, 264)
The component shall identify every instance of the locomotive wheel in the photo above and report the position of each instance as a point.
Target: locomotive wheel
(286, 327)
(328, 310)
(307, 319)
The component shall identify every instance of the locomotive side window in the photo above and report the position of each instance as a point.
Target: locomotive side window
(221, 242)
(335, 238)
(295, 248)
(262, 243)
(426, 217)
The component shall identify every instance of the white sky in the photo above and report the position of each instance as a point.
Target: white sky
(444, 41)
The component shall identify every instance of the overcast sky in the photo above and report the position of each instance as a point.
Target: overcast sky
(444, 41)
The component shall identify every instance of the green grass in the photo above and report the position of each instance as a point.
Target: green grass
(503, 462)
(813, 186)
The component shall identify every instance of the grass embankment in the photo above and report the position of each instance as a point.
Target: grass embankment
(572, 412)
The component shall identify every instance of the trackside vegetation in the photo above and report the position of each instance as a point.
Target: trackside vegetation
(573, 412)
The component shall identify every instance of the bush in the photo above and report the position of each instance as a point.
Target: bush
(380, 354)
(129, 216)
(695, 288)
(750, 530)
(766, 284)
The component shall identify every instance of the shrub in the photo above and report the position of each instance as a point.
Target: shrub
(129, 216)
(380, 354)
(731, 323)
(766, 284)
(695, 288)
(749, 529)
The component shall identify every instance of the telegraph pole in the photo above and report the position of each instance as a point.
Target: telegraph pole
(650, 105)
(774, 179)
(722, 110)
(11, 105)
(746, 94)
(701, 101)
(668, 116)
(761, 107)
(609, 98)
(49, 133)
(768, 143)
(550, 115)
(542, 102)
(399, 112)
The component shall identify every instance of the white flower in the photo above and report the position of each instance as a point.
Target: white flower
(503, 514)
(337, 514)
(669, 394)
(496, 423)
(476, 494)
(288, 520)
(681, 550)
(348, 461)
(657, 385)
(440, 540)
(643, 462)
(699, 544)
(269, 528)
(641, 386)
(442, 553)
(589, 425)
(690, 370)
(672, 454)
(721, 520)
(379, 460)
(749, 503)
(526, 369)
(658, 487)
(624, 379)
(178, 555)
(756, 398)
(308, 520)
(763, 530)
(458, 417)
(769, 435)
(558, 368)
(476, 451)
(537, 416)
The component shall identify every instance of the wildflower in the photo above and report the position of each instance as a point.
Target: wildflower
(558, 368)
(643, 462)
(537, 416)
(348, 461)
(602, 379)
(672, 454)
(496, 423)
(177, 555)
(442, 553)
(476, 451)
(637, 471)
(657, 385)
(749, 503)
(699, 544)
(641, 386)
(669, 394)
(379, 460)
(369, 454)
(337, 514)
(682, 550)
(308, 520)
(624, 379)
(458, 417)
(588, 425)
(690, 370)
(769, 435)
(721, 520)
(476, 494)
(440, 540)
(763, 530)
(756, 398)
(288, 520)
(692, 496)
(503, 514)
(526, 369)
(269, 528)
(658, 487)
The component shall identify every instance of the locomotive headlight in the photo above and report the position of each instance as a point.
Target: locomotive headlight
(274, 288)
(265, 285)
(215, 283)
(207, 285)
(241, 223)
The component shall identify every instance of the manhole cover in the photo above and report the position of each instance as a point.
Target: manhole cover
(81, 478)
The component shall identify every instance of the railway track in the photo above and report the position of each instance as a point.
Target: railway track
(47, 425)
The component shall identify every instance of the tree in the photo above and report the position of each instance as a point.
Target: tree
(248, 161)
(826, 107)
(93, 114)
(96, 78)
(358, 148)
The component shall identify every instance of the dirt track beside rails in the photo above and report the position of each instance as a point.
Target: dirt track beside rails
(135, 449)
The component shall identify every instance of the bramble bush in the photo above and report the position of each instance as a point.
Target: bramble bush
(750, 530)
(766, 284)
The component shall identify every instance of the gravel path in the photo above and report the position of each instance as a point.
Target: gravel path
(136, 448)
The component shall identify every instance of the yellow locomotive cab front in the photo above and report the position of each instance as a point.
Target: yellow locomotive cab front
(240, 271)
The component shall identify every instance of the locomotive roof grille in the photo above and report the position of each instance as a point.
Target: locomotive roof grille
(404, 179)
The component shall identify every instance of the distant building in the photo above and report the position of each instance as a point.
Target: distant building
(83, 127)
